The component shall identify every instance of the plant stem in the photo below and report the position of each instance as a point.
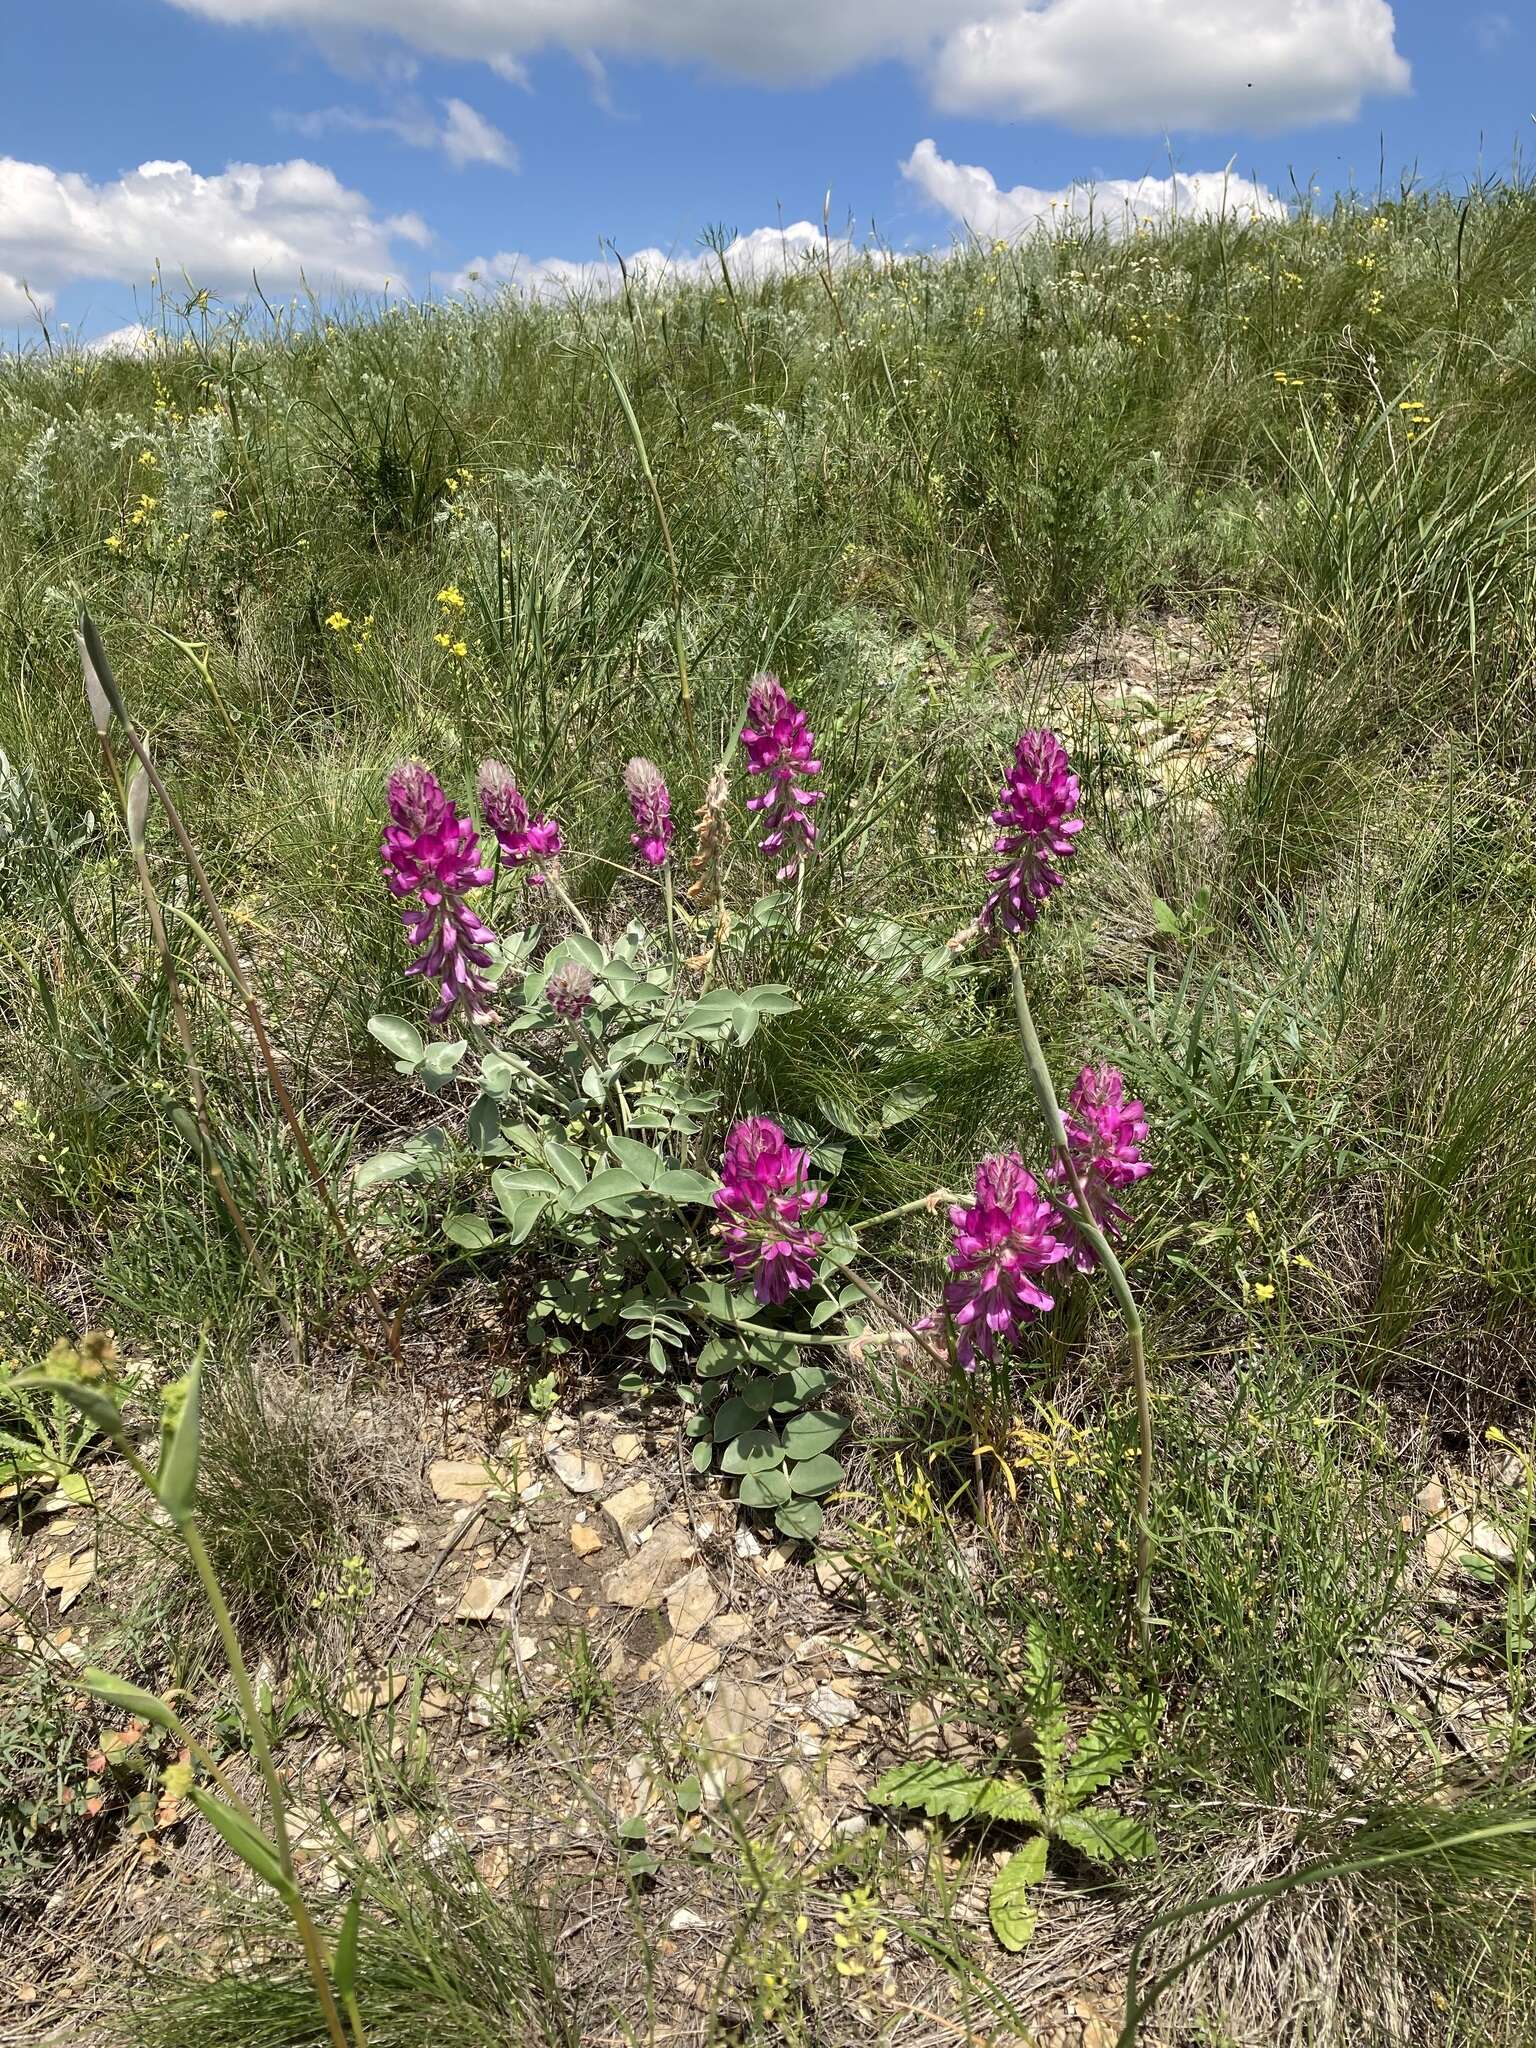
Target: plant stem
(1085, 1221)
(940, 1198)
(556, 887)
(256, 1728)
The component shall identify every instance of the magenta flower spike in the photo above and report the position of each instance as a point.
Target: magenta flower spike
(1105, 1134)
(1039, 795)
(523, 840)
(651, 802)
(433, 854)
(569, 990)
(1006, 1237)
(781, 745)
(764, 1196)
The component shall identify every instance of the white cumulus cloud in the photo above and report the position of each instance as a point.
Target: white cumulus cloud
(763, 253)
(973, 197)
(463, 135)
(13, 300)
(1141, 65)
(274, 221)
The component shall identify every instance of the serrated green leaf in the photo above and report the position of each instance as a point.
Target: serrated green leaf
(399, 1037)
(755, 1450)
(801, 1519)
(1008, 1799)
(816, 1475)
(1104, 1837)
(1112, 1742)
(812, 1431)
(471, 1233)
(942, 1790)
(1010, 1906)
(764, 1489)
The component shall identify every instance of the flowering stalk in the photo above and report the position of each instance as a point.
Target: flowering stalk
(764, 1197)
(650, 801)
(780, 745)
(524, 841)
(1086, 1223)
(433, 854)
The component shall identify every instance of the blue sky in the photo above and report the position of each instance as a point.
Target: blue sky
(432, 135)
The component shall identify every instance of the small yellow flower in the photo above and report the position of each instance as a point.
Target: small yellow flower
(148, 458)
(460, 649)
(1263, 1291)
(451, 596)
(114, 541)
(338, 622)
(443, 639)
(1251, 1218)
(217, 516)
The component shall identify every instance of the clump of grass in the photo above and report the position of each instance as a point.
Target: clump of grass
(293, 1485)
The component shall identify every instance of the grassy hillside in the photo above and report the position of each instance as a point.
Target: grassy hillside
(1243, 512)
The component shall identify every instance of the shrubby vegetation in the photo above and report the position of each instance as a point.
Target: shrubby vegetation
(1242, 512)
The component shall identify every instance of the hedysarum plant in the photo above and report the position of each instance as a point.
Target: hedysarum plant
(525, 841)
(765, 1194)
(779, 744)
(1098, 1152)
(1035, 811)
(1009, 1234)
(433, 854)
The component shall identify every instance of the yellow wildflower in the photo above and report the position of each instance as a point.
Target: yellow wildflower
(217, 516)
(338, 622)
(1263, 1291)
(451, 596)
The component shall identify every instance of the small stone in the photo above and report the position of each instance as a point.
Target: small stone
(747, 1544)
(685, 1918)
(359, 1700)
(681, 1665)
(481, 1598)
(832, 1570)
(629, 1510)
(585, 1540)
(406, 1537)
(465, 1479)
(831, 1708)
(729, 1629)
(645, 1579)
(1430, 1499)
(576, 1471)
(627, 1447)
(691, 1602)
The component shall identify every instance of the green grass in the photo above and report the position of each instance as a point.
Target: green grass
(925, 493)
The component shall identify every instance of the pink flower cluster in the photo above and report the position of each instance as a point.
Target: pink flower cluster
(1039, 795)
(780, 744)
(651, 802)
(764, 1197)
(433, 854)
(569, 990)
(1014, 1230)
(1105, 1134)
(1004, 1239)
(523, 840)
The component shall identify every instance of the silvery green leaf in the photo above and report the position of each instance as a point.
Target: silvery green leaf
(441, 1059)
(566, 1162)
(385, 1166)
(813, 1431)
(612, 1183)
(400, 1038)
(754, 1450)
(815, 1475)
(768, 1489)
(681, 1184)
(643, 1161)
(470, 1232)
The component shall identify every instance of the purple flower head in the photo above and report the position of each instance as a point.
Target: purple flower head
(433, 854)
(765, 1193)
(1005, 1237)
(1105, 1134)
(651, 802)
(569, 990)
(523, 840)
(1040, 792)
(781, 745)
